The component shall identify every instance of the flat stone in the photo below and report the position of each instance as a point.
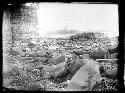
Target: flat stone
(88, 72)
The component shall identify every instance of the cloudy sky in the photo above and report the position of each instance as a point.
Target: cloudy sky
(81, 17)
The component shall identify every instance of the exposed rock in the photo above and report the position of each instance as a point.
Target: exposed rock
(99, 54)
(60, 69)
(109, 70)
(56, 60)
(73, 87)
(85, 77)
(75, 65)
(55, 70)
(111, 73)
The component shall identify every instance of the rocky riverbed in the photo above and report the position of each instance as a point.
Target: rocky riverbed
(79, 63)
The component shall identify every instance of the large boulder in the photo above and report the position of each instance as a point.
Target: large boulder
(111, 73)
(56, 60)
(109, 70)
(60, 69)
(99, 54)
(55, 70)
(75, 66)
(85, 78)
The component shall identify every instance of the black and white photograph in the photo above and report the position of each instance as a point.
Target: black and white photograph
(60, 46)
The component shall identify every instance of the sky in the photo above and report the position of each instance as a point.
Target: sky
(82, 17)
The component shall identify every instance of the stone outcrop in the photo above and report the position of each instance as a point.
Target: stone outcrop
(85, 77)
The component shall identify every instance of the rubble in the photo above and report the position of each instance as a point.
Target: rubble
(75, 65)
